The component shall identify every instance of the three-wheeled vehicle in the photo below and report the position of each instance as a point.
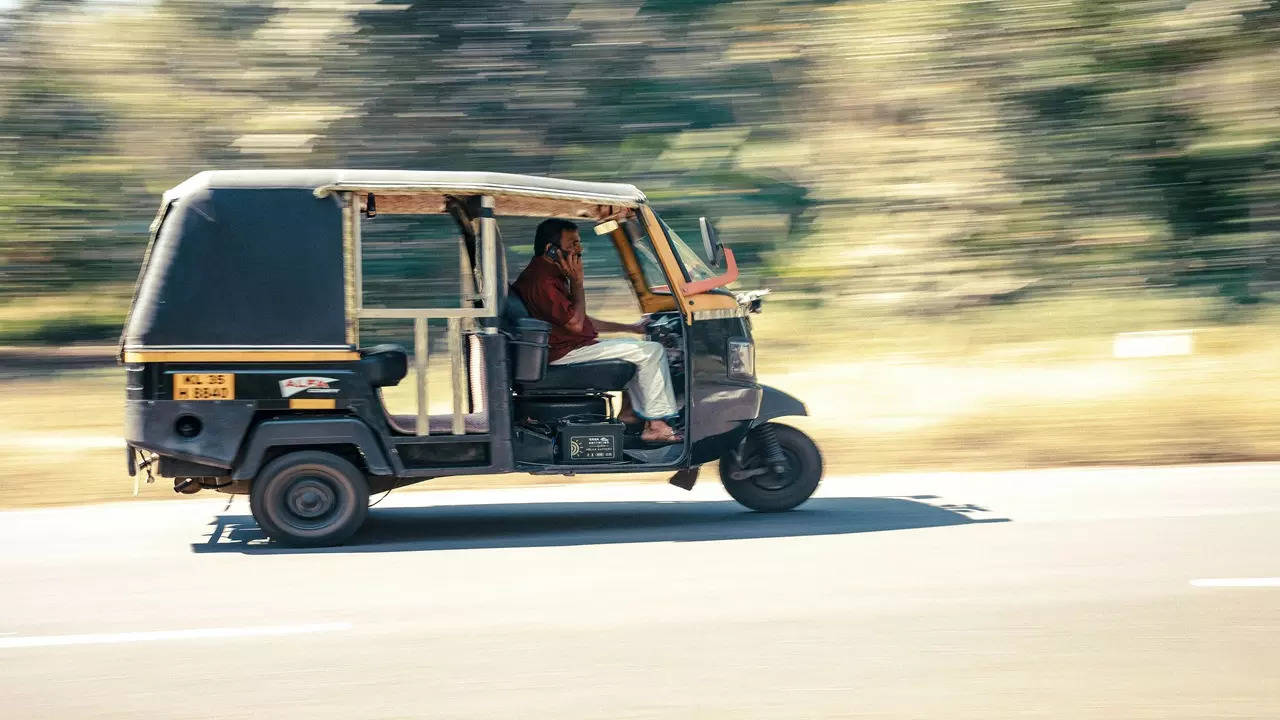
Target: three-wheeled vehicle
(245, 372)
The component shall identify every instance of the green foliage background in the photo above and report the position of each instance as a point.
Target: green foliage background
(921, 155)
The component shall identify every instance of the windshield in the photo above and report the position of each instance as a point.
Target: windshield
(690, 261)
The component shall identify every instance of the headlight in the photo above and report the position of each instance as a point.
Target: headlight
(742, 360)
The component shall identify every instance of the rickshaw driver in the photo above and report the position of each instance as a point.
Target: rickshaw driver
(551, 287)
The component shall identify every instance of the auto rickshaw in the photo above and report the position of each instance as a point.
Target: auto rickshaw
(245, 372)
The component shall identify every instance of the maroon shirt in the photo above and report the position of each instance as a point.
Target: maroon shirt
(545, 292)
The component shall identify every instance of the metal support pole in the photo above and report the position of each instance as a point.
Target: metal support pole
(456, 369)
(466, 275)
(420, 350)
(350, 259)
(359, 251)
(489, 259)
(506, 278)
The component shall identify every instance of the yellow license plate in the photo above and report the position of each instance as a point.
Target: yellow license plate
(204, 386)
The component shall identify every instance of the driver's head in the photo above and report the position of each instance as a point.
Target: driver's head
(559, 233)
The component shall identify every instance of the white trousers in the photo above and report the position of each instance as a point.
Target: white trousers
(651, 395)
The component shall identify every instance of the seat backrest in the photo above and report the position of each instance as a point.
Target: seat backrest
(513, 309)
(528, 339)
(477, 374)
(384, 365)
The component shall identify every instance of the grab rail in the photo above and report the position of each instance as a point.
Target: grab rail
(454, 317)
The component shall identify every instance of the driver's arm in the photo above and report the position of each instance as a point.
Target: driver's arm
(606, 326)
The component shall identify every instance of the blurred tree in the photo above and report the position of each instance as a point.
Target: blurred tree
(930, 153)
(56, 226)
(625, 93)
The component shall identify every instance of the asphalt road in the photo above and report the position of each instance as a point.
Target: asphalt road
(1117, 593)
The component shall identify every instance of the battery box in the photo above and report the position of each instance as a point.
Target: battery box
(589, 443)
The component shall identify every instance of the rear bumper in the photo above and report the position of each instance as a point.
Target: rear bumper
(152, 425)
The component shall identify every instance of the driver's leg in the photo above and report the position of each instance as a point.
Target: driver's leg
(650, 390)
(652, 397)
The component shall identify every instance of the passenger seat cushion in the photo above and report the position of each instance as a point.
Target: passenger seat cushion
(597, 375)
(384, 365)
(473, 423)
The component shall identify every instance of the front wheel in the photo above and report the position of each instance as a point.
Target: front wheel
(309, 499)
(765, 481)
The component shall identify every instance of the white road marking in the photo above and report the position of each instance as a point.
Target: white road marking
(1237, 582)
(7, 643)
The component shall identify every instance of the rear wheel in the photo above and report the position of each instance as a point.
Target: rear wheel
(309, 499)
(769, 483)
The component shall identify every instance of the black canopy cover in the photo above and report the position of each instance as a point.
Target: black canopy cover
(253, 259)
(242, 268)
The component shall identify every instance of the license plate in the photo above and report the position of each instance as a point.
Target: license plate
(204, 386)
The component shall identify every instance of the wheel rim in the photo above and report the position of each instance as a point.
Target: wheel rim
(310, 498)
(309, 502)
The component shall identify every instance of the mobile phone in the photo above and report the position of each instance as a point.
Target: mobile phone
(553, 252)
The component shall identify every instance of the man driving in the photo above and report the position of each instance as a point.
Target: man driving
(552, 290)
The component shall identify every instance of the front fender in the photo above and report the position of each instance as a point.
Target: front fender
(774, 404)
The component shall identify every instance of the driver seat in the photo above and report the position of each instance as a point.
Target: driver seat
(597, 376)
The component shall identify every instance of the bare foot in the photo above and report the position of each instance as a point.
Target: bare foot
(657, 431)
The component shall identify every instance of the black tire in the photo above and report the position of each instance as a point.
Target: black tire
(769, 491)
(309, 499)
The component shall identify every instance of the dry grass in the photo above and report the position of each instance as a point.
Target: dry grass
(56, 319)
(920, 394)
(61, 439)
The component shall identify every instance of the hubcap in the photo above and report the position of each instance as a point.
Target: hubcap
(309, 498)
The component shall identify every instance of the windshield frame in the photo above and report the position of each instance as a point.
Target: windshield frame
(692, 266)
(655, 278)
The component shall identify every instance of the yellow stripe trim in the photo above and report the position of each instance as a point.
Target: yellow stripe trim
(142, 356)
(312, 404)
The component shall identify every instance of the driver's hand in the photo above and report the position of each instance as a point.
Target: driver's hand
(571, 265)
(640, 327)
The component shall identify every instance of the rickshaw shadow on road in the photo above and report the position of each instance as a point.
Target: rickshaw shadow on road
(459, 527)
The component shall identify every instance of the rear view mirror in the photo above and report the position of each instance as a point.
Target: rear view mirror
(711, 242)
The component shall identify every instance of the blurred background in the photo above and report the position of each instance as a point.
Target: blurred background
(964, 207)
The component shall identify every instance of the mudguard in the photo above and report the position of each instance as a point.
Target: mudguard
(318, 431)
(774, 404)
